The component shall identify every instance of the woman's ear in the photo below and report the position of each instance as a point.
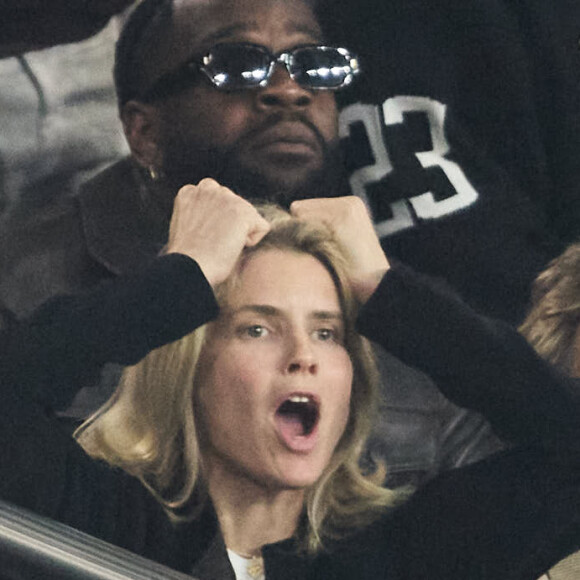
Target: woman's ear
(141, 125)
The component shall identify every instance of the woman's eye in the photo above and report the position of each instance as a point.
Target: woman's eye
(255, 331)
(325, 334)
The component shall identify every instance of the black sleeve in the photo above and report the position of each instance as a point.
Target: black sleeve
(65, 342)
(478, 363)
(516, 513)
(44, 358)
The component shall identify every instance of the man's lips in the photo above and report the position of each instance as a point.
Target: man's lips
(287, 138)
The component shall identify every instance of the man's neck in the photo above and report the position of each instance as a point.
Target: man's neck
(156, 194)
(162, 193)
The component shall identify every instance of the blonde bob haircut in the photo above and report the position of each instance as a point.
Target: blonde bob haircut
(554, 317)
(148, 427)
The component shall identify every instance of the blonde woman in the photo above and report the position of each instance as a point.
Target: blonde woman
(234, 451)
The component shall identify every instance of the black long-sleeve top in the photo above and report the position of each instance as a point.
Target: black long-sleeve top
(511, 516)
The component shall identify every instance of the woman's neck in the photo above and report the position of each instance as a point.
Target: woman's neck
(251, 516)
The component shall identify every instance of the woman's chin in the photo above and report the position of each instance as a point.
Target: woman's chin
(299, 474)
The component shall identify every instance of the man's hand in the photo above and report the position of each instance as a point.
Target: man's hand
(349, 220)
(212, 225)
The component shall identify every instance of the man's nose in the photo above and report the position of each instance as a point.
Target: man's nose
(282, 92)
(302, 357)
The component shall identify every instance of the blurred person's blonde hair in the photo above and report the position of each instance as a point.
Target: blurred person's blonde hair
(554, 316)
(148, 427)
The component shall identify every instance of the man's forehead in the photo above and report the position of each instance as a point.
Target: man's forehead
(209, 21)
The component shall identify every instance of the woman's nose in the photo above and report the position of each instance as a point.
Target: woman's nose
(302, 357)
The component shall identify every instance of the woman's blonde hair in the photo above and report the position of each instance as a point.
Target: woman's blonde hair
(554, 317)
(148, 426)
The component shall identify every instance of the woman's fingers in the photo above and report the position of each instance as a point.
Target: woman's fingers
(212, 225)
(349, 219)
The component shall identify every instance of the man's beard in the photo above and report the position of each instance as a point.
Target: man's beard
(188, 163)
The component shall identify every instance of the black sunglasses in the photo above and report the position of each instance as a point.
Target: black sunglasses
(240, 65)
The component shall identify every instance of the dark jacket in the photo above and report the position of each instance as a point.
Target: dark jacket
(510, 516)
(113, 227)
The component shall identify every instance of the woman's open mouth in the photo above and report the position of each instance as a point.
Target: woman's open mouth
(297, 421)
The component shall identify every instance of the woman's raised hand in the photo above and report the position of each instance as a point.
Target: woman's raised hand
(212, 225)
(350, 221)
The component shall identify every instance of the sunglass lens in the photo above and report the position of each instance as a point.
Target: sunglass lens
(235, 66)
(321, 67)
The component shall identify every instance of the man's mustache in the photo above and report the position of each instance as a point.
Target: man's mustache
(281, 117)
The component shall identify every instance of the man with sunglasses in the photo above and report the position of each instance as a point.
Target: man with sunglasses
(239, 90)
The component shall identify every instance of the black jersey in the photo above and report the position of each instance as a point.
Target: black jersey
(463, 136)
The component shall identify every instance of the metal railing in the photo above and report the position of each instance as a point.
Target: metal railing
(34, 548)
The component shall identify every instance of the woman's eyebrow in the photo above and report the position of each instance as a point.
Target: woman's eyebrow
(328, 315)
(272, 311)
(264, 309)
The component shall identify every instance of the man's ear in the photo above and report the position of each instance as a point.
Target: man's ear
(141, 124)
